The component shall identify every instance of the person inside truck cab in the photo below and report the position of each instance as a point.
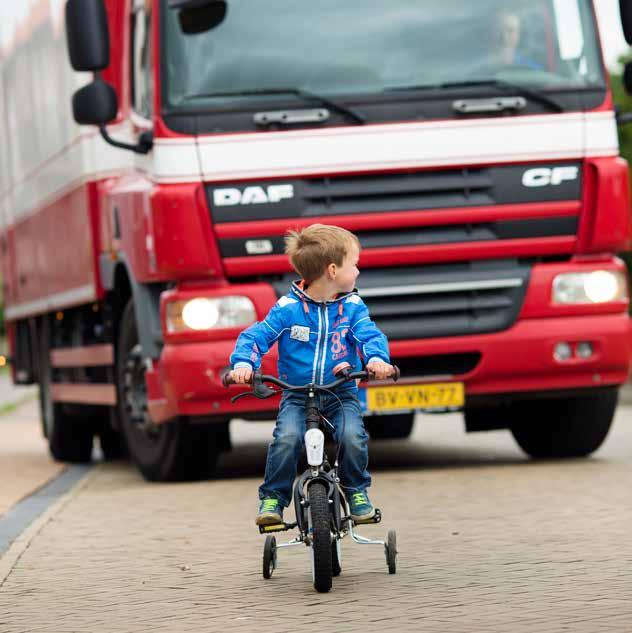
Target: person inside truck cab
(505, 41)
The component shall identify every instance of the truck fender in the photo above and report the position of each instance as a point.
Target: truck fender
(146, 304)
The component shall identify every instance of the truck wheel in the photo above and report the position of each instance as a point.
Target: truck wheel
(392, 426)
(172, 451)
(564, 427)
(112, 442)
(69, 436)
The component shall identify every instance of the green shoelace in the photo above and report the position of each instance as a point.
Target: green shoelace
(269, 505)
(359, 498)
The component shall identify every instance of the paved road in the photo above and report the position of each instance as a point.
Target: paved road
(488, 542)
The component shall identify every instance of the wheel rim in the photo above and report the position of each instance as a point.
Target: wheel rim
(135, 397)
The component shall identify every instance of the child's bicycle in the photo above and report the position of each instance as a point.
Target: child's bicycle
(322, 512)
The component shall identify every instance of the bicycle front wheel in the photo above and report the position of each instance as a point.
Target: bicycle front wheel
(321, 536)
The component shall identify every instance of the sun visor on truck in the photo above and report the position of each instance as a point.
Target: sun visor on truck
(198, 16)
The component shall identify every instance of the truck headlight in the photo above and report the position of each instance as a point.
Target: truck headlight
(599, 286)
(203, 313)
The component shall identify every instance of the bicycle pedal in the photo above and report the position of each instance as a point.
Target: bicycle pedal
(276, 527)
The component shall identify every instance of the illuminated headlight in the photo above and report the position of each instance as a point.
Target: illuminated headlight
(207, 314)
(600, 286)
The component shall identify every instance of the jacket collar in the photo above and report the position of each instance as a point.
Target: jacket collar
(297, 289)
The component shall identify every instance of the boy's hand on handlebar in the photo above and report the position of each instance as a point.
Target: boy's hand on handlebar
(241, 375)
(380, 369)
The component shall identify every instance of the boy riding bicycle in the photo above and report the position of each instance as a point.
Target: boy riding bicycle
(320, 324)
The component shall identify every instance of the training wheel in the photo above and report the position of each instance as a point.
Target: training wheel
(390, 549)
(269, 557)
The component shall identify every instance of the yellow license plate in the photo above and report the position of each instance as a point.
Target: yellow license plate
(443, 395)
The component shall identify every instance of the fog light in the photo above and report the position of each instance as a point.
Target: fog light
(562, 352)
(584, 350)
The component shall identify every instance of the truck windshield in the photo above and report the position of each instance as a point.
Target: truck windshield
(367, 47)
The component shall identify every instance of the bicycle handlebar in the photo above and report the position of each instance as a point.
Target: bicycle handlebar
(258, 379)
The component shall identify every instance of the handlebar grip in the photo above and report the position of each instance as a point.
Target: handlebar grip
(396, 373)
(227, 380)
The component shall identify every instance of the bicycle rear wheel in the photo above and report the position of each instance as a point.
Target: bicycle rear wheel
(321, 536)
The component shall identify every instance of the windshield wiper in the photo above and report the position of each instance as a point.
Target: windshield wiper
(305, 95)
(532, 93)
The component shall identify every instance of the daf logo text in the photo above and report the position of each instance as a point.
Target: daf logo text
(252, 195)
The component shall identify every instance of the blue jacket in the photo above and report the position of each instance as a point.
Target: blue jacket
(313, 337)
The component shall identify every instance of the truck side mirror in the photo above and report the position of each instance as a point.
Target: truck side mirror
(88, 35)
(625, 9)
(95, 104)
(198, 16)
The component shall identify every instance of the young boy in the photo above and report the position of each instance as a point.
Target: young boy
(321, 323)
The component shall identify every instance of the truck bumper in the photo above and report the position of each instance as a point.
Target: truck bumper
(187, 379)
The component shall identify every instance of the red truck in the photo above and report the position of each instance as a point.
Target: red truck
(472, 148)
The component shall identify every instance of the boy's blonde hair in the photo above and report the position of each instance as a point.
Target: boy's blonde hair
(312, 249)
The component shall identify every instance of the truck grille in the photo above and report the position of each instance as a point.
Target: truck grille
(436, 301)
(350, 195)
(424, 236)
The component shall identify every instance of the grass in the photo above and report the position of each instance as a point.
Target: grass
(10, 407)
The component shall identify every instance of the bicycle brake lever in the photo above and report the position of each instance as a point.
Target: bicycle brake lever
(259, 388)
(241, 395)
(262, 391)
(262, 394)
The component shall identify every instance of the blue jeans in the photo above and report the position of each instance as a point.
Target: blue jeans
(287, 444)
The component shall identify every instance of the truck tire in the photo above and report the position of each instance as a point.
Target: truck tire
(111, 441)
(490, 418)
(173, 451)
(69, 436)
(393, 426)
(564, 427)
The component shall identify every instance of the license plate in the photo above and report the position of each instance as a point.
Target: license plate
(444, 395)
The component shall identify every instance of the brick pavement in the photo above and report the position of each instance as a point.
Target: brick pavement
(488, 542)
(25, 464)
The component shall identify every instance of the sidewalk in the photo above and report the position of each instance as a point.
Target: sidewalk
(11, 395)
(25, 464)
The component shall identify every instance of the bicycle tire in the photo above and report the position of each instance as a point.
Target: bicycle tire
(391, 552)
(336, 567)
(321, 536)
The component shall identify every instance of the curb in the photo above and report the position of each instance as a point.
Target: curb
(29, 512)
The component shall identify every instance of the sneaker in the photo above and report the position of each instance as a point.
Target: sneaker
(360, 507)
(270, 512)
